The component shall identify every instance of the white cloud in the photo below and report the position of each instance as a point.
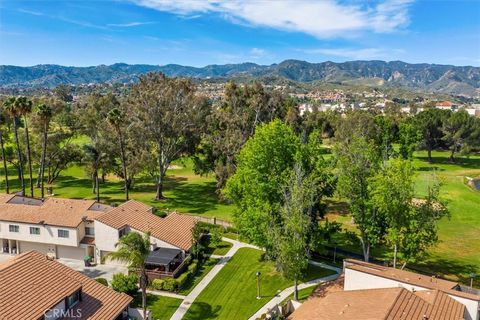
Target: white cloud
(31, 12)
(358, 54)
(257, 53)
(129, 24)
(322, 18)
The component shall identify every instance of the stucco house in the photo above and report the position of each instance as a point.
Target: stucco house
(33, 286)
(73, 229)
(368, 291)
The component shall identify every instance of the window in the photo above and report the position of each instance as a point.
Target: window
(13, 228)
(62, 233)
(73, 299)
(89, 231)
(34, 230)
(122, 232)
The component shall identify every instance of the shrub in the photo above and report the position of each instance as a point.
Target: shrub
(157, 284)
(170, 284)
(193, 267)
(215, 237)
(102, 281)
(125, 283)
(183, 278)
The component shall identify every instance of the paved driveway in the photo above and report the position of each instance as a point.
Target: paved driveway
(5, 257)
(99, 271)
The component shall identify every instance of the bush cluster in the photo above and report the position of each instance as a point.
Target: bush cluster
(173, 285)
(102, 281)
(125, 283)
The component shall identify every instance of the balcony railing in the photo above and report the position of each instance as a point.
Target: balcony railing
(154, 274)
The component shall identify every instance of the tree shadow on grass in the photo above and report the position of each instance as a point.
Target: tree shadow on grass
(447, 268)
(202, 310)
(427, 169)
(194, 197)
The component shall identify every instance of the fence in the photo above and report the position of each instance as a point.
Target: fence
(215, 221)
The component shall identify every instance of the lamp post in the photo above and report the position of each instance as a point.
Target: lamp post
(472, 276)
(258, 284)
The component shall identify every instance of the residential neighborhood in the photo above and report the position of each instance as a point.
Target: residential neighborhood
(239, 160)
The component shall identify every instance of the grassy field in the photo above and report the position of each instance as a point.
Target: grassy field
(202, 272)
(458, 251)
(162, 308)
(232, 293)
(185, 191)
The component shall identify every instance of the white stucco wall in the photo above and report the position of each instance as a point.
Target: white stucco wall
(356, 280)
(48, 234)
(105, 237)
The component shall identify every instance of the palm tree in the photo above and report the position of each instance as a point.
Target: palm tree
(12, 110)
(134, 249)
(116, 118)
(4, 159)
(44, 112)
(94, 157)
(24, 107)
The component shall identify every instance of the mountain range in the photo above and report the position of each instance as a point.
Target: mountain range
(456, 80)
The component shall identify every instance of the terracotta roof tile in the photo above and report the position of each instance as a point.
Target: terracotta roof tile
(31, 284)
(385, 303)
(175, 229)
(52, 211)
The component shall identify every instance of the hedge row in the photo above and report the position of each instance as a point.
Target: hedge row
(173, 285)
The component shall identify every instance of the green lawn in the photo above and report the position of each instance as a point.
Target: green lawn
(185, 191)
(303, 294)
(220, 250)
(202, 272)
(232, 293)
(458, 251)
(162, 307)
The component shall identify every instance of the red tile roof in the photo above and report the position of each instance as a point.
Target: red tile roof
(175, 229)
(386, 304)
(30, 284)
(53, 211)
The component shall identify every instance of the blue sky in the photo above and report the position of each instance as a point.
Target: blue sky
(198, 33)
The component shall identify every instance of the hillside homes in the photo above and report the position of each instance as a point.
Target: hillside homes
(73, 229)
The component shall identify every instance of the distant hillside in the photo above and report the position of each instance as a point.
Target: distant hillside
(425, 77)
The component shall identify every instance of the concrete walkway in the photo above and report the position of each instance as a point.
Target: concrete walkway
(287, 292)
(165, 294)
(190, 298)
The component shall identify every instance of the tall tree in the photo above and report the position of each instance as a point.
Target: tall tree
(408, 138)
(12, 109)
(293, 235)
(358, 160)
(116, 120)
(44, 112)
(24, 108)
(459, 129)
(421, 232)
(430, 122)
(94, 158)
(232, 122)
(2, 146)
(168, 113)
(264, 166)
(392, 196)
(133, 249)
